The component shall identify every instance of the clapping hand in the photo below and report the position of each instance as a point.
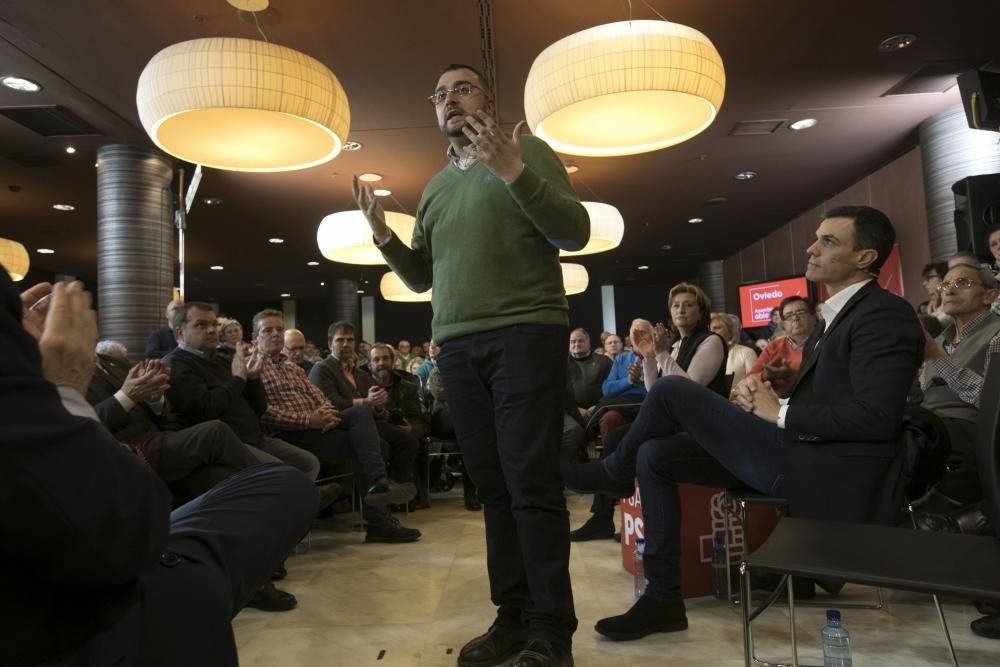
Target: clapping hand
(147, 381)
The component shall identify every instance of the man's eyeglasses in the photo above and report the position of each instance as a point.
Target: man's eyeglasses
(438, 97)
(798, 314)
(957, 283)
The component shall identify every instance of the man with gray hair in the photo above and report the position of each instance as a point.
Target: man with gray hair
(112, 348)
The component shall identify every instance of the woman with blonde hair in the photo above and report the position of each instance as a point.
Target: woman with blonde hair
(741, 358)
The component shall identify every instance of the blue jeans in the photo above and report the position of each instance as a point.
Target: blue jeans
(687, 433)
(505, 392)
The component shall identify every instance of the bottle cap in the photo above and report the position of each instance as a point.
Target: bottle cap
(639, 541)
(832, 615)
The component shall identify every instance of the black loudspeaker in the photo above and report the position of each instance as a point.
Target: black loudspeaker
(981, 98)
(977, 212)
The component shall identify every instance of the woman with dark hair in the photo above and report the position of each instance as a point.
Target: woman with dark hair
(932, 276)
(689, 348)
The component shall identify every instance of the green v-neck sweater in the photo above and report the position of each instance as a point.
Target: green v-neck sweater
(489, 250)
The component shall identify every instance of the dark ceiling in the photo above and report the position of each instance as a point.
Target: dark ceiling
(784, 61)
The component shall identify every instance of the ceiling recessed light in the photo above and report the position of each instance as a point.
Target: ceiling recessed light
(212, 201)
(352, 146)
(97, 164)
(20, 84)
(370, 177)
(322, 284)
(217, 267)
(642, 267)
(803, 124)
(896, 42)
(381, 192)
(745, 175)
(64, 207)
(45, 251)
(695, 221)
(276, 241)
(571, 168)
(312, 263)
(361, 291)
(284, 295)
(70, 150)
(666, 247)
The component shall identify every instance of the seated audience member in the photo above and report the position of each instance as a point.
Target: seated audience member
(993, 241)
(295, 350)
(297, 412)
(932, 275)
(963, 257)
(402, 407)
(830, 447)
(230, 336)
(96, 569)
(112, 348)
(780, 360)
(741, 358)
(625, 379)
(404, 353)
(423, 371)
(312, 353)
(690, 350)
(130, 403)
(441, 426)
(586, 372)
(613, 346)
(955, 363)
(345, 385)
(772, 332)
(162, 341)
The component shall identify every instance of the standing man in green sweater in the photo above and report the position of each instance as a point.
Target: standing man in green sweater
(487, 239)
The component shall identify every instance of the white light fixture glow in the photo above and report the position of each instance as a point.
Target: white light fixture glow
(575, 278)
(350, 146)
(45, 251)
(369, 177)
(14, 258)
(394, 289)
(571, 168)
(803, 124)
(276, 241)
(242, 105)
(20, 84)
(284, 295)
(312, 263)
(346, 237)
(381, 192)
(212, 201)
(607, 227)
(64, 207)
(624, 88)
(745, 175)
(70, 150)
(642, 267)
(217, 267)
(695, 221)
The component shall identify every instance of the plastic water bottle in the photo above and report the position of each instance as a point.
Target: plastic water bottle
(640, 575)
(836, 642)
(719, 577)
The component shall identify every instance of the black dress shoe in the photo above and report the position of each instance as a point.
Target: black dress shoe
(595, 528)
(390, 530)
(493, 647)
(328, 493)
(386, 492)
(987, 626)
(540, 653)
(269, 598)
(593, 478)
(644, 618)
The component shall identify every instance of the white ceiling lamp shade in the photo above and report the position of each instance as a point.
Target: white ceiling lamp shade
(575, 278)
(346, 236)
(242, 105)
(607, 227)
(14, 257)
(394, 289)
(624, 88)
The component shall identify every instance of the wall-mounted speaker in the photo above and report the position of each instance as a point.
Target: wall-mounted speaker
(981, 98)
(977, 212)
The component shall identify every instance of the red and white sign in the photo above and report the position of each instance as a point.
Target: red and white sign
(759, 299)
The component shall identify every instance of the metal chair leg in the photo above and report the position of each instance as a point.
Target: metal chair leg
(745, 609)
(944, 626)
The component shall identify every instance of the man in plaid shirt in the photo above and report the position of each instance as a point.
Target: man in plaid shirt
(298, 411)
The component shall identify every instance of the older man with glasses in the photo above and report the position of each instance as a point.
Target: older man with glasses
(497, 215)
(780, 360)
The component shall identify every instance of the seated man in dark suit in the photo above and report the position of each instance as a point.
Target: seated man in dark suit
(131, 404)
(94, 568)
(162, 341)
(830, 446)
(345, 385)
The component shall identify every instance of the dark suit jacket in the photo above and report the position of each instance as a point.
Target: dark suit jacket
(160, 343)
(82, 519)
(843, 427)
(203, 389)
(329, 376)
(404, 399)
(109, 376)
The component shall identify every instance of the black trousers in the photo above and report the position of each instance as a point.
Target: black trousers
(399, 450)
(505, 390)
(195, 459)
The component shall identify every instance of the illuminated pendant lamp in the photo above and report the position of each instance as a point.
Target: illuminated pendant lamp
(624, 88)
(607, 227)
(394, 289)
(242, 105)
(14, 258)
(346, 237)
(575, 278)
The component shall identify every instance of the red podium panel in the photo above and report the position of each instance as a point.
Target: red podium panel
(702, 518)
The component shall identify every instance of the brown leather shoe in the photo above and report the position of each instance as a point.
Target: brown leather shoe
(496, 645)
(541, 653)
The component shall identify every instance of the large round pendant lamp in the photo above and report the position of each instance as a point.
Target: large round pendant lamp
(14, 258)
(346, 237)
(575, 278)
(624, 88)
(394, 289)
(607, 227)
(242, 105)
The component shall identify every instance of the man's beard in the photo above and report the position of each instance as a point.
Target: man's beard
(383, 376)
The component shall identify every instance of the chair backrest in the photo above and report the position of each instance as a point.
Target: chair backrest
(988, 442)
